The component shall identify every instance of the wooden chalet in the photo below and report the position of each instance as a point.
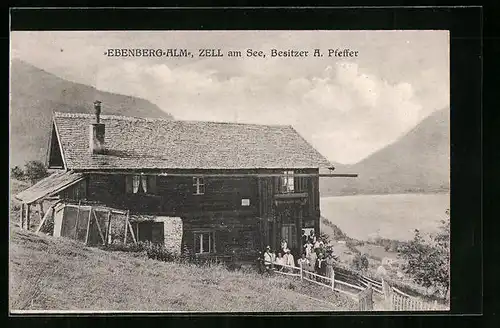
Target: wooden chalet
(235, 187)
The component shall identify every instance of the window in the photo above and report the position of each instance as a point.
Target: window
(140, 184)
(199, 186)
(150, 231)
(287, 182)
(204, 242)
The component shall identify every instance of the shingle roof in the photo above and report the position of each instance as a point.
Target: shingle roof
(49, 186)
(145, 143)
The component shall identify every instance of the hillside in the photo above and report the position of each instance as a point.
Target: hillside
(48, 273)
(35, 94)
(417, 162)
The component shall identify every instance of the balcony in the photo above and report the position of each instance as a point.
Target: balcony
(290, 195)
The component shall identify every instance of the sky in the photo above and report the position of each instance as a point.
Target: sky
(347, 108)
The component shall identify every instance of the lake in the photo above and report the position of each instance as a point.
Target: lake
(390, 216)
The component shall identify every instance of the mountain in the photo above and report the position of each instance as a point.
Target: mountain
(417, 162)
(35, 94)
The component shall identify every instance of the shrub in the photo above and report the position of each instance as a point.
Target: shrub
(160, 253)
(35, 171)
(121, 247)
(17, 173)
(427, 262)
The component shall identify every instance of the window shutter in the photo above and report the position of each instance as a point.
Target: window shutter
(152, 184)
(128, 184)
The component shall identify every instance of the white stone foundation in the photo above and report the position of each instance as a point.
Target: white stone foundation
(172, 233)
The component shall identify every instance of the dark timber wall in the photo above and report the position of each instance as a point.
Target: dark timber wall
(219, 209)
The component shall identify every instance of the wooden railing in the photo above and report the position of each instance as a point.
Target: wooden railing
(396, 300)
(366, 299)
(376, 285)
(362, 295)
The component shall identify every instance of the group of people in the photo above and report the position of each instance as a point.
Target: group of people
(314, 257)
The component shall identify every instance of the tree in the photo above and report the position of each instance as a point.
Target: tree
(35, 171)
(428, 261)
(17, 173)
(325, 238)
(360, 262)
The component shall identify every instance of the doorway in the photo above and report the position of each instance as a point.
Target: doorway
(289, 233)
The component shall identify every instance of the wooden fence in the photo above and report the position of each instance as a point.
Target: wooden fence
(376, 285)
(396, 300)
(91, 224)
(362, 295)
(366, 299)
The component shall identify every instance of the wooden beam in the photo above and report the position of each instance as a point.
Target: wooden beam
(99, 228)
(97, 208)
(88, 227)
(28, 212)
(45, 217)
(259, 191)
(132, 232)
(40, 211)
(273, 237)
(77, 221)
(233, 175)
(299, 231)
(21, 217)
(126, 229)
(108, 228)
(338, 175)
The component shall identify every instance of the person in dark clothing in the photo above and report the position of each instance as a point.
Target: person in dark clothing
(260, 263)
(320, 266)
(305, 238)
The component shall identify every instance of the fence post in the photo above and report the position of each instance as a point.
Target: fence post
(301, 272)
(370, 297)
(126, 228)
(77, 220)
(108, 228)
(21, 217)
(333, 279)
(28, 213)
(88, 227)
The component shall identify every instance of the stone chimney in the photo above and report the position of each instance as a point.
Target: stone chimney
(97, 132)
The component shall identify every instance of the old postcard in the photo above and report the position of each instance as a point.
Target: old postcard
(229, 171)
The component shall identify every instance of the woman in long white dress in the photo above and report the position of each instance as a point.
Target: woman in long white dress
(330, 261)
(279, 262)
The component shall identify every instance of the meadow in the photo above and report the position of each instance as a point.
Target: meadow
(393, 216)
(58, 274)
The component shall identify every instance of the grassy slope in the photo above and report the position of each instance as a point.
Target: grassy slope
(49, 273)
